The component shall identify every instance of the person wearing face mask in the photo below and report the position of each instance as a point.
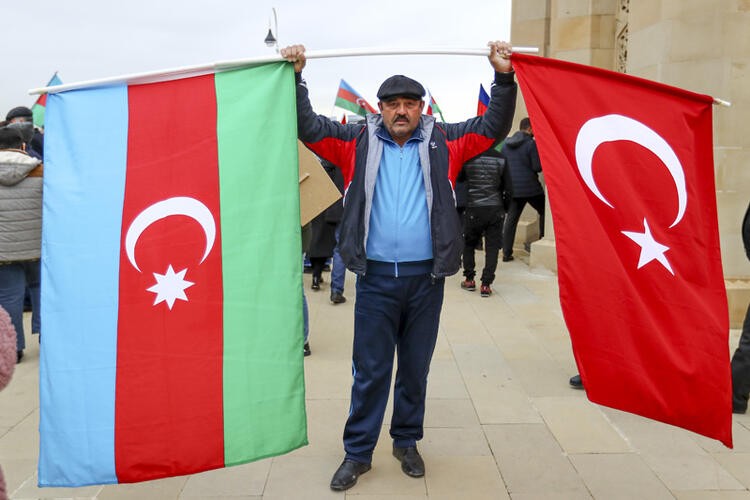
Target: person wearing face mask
(22, 119)
(20, 231)
(401, 235)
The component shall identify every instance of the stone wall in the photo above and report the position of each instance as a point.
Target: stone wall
(700, 45)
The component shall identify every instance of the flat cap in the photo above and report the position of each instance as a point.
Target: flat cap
(400, 85)
(20, 111)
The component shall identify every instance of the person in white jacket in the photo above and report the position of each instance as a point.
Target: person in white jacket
(20, 231)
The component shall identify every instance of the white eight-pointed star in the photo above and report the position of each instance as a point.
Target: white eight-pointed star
(170, 286)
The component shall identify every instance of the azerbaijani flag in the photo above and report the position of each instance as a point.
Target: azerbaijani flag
(433, 107)
(348, 98)
(37, 109)
(483, 101)
(168, 207)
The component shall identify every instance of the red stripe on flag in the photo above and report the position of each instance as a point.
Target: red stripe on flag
(168, 405)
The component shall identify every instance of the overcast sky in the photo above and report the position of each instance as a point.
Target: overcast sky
(92, 39)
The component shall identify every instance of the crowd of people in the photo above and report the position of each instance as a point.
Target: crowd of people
(21, 153)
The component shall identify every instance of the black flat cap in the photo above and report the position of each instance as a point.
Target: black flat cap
(20, 111)
(400, 85)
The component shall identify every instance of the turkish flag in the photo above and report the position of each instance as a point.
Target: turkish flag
(629, 170)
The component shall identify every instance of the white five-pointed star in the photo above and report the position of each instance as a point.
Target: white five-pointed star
(170, 286)
(650, 248)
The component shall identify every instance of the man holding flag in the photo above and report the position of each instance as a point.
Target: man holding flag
(401, 235)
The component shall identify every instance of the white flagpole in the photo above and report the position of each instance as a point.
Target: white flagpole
(171, 74)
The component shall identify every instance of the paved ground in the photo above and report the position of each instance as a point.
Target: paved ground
(501, 420)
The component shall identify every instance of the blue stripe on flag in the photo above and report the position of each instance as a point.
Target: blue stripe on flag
(348, 88)
(82, 218)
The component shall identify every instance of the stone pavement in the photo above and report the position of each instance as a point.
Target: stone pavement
(501, 420)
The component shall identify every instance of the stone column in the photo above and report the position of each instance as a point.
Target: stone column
(704, 46)
(581, 31)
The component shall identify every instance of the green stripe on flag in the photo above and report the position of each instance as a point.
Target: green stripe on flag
(264, 396)
(354, 108)
(37, 111)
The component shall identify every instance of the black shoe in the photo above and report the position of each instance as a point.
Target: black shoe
(19, 356)
(316, 283)
(507, 258)
(739, 404)
(346, 475)
(411, 463)
(337, 298)
(306, 349)
(576, 382)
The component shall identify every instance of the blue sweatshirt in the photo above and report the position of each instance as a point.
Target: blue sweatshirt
(399, 221)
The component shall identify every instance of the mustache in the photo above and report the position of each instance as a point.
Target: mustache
(401, 118)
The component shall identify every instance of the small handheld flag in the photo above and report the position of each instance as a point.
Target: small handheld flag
(483, 102)
(39, 106)
(432, 107)
(348, 98)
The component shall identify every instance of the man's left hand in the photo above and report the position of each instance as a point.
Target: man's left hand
(500, 56)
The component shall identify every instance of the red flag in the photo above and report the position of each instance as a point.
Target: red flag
(343, 119)
(629, 167)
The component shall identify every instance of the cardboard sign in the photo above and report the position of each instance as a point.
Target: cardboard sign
(316, 190)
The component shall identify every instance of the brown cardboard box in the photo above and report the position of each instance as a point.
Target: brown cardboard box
(316, 190)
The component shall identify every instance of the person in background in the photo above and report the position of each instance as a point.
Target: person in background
(401, 235)
(523, 159)
(22, 118)
(323, 232)
(741, 357)
(489, 193)
(306, 233)
(20, 231)
(333, 214)
(7, 365)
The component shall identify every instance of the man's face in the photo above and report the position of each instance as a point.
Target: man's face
(401, 116)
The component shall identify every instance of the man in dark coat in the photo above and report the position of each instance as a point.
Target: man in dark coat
(401, 235)
(741, 358)
(523, 158)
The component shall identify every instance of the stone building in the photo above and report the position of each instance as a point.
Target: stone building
(699, 45)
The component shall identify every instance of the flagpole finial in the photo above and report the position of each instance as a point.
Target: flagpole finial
(722, 102)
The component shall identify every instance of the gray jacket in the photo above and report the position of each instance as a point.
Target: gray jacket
(20, 207)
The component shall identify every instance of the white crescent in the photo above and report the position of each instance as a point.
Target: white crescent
(614, 127)
(179, 205)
